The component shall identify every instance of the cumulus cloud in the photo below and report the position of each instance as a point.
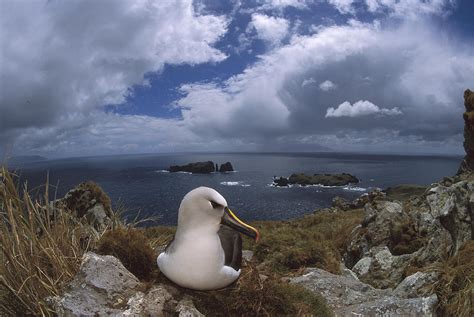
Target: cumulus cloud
(327, 85)
(343, 6)
(281, 4)
(63, 57)
(410, 8)
(270, 29)
(52, 94)
(360, 108)
(308, 81)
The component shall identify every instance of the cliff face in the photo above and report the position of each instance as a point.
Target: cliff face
(467, 164)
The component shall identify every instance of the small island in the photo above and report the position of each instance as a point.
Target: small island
(316, 179)
(202, 168)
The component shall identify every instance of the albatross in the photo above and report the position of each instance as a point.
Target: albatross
(206, 251)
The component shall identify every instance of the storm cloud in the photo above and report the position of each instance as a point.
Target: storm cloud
(63, 63)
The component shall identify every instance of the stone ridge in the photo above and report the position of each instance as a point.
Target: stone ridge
(467, 164)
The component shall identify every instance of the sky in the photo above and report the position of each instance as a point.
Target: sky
(81, 78)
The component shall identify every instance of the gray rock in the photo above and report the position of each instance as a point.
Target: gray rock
(416, 285)
(451, 205)
(186, 308)
(247, 255)
(380, 268)
(394, 307)
(150, 304)
(104, 287)
(341, 203)
(349, 297)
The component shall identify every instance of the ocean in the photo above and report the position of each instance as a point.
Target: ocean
(141, 185)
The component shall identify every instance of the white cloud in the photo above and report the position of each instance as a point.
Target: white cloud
(59, 57)
(263, 107)
(281, 4)
(410, 8)
(308, 81)
(327, 85)
(360, 108)
(343, 6)
(270, 29)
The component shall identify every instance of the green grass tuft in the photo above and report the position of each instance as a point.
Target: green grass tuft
(131, 247)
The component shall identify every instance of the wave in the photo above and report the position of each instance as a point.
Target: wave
(239, 183)
(349, 188)
(355, 188)
(162, 171)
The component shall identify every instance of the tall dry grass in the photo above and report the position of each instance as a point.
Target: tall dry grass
(40, 248)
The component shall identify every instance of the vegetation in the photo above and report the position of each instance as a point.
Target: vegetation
(257, 295)
(129, 246)
(316, 240)
(455, 287)
(41, 246)
(40, 249)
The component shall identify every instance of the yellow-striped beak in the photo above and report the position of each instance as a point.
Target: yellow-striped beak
(231, 220)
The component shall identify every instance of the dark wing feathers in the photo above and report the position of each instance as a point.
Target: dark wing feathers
(231, 242)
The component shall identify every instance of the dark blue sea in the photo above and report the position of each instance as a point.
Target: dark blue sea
(140, 184)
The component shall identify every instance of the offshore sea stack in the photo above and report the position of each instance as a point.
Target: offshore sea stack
(467, 164)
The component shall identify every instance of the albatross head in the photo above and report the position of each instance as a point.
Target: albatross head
(204, 208)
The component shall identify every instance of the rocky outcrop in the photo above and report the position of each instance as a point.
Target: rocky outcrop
(195, 168)
(202, 168)
(226, 167)
(467, 164)
(88, 200)
(394, 236)
(316, 179)
(348, 296)
(104, 287)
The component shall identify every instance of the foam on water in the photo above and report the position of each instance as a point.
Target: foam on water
(238, 183)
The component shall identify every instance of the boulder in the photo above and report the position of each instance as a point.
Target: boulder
(103, 286)
(348, 296)
(341, 203)
(394, 237)
(226, 167)
(380, 268)
(323, 179)
(88, 200)
(196, 168)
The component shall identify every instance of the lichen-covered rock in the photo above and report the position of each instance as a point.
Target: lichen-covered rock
(380, 268)
(341, 203)
(104, 287)
(451, 205)
(375, 229)
(348, 296)
(467, 165)
(416, 285)
(88, 200)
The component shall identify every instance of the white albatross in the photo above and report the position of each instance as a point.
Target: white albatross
(206, 251)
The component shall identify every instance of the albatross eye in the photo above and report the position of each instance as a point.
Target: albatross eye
(215, 205)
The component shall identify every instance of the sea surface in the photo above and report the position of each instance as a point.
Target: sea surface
(141, 185)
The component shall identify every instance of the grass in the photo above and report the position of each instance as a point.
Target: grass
(130, 246)
(40, 249)
(455, 288)
(316, 240)
(253, 295)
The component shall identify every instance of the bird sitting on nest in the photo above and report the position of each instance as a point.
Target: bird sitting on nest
(206, 251)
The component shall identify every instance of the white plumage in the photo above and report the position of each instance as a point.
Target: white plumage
(195, 258)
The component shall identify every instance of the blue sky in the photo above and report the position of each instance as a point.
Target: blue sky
(111, 77)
